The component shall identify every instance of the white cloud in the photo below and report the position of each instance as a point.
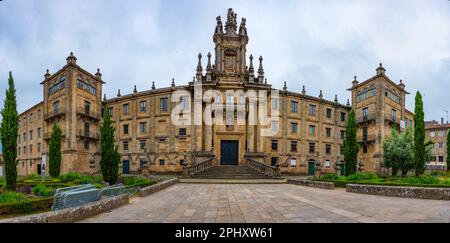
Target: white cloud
(320, 44)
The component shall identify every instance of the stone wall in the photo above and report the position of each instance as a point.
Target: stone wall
(309, 183)
(73, 214)
(157, 187)
(406, 192)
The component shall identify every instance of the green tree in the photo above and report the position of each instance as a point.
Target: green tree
(9, 129)
(398, 151)
(54, 152)
(419, 136)
(110, 156)
(448, 151)
(351, 146)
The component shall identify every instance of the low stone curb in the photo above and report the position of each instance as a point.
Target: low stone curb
(157, 187)
(315, 184)
(71, 215)
(405, 192)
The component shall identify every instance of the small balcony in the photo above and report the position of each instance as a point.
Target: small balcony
(54, 114)
(87, 113)
(389, 118)
(366, 118)
(372, 138)
(88, 135)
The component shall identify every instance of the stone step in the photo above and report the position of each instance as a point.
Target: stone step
(231, 172)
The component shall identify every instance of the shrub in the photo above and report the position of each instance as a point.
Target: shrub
(26, 207)
(12, 197)
(32, 177)
(88, 179)
(331, 177)
(362, 176)
(42, 191)
(424, 179)
(70, 177)
(133, 181)
(24, 190)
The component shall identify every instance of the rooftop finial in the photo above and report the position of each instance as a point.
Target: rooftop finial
(173, 82)
(260, 70)
(47, 74)
(321, 94)
(285, 86)
(381, 70)
(348, 102)
(118, 93)
(98, 74)
(336, 98)
(231, 24)
(153, 85)
(208, 66)
(71, 59)
(104, 97)
(304, 90)
(219, 26)
(243, 27)
(135, 89)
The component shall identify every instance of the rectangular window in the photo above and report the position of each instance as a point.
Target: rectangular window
(24, 137)
(56, 107)
(275, 104)
(365, 113)
(342, 150)
(294, 127)
(312, 110)
(329, 111)
(110, 110)
(31, 148)
(125, 146)
(365, 134)
(441, 158)
(31, 117)
(79, 84)
(39, 147)
(143, 127)
(163, 104)
(293, 146)
(182, 132)
(293, 162)
(294, 106)
(327, 164)
(162, 162)
(394, 115)
(312, 130)
(441, 145)
(432, 134)
(31, 135)
(185, 102)
(312, 147)
(143, 106)
(274, 145)
(328, 132)
(39, 114)
(86, 145)
(342, 135)
(142, 144)
(328, 149)
(125, 129)
(125, 109)
(274, 126)
(365, 149)
(39, 132)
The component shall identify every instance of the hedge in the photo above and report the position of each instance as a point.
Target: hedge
(26, 207)
(344, 184)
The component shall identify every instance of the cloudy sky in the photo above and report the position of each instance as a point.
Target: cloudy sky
(320, 44)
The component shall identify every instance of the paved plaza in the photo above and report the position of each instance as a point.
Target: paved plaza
(282, 203)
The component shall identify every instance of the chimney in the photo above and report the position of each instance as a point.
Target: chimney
(442, 120)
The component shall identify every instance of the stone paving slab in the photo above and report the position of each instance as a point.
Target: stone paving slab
(255, 203)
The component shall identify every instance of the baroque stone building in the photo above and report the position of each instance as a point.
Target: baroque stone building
(437, 133)
(303, 129)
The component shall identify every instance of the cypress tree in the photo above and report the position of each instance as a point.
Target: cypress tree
(419, 136)
(351, 146)
(448, 151)
(9, 129)
(110, 156)
(54, 152)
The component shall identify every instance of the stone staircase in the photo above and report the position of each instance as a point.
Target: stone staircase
(231, 173)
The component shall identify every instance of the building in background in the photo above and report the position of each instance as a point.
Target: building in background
(309, 129)
(437, 133)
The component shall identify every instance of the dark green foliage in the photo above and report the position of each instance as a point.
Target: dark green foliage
(9, 133)
(25, 206)
(448, 151)
(351, 146)
(132, 181)
(8, 197)
(110, 156)
(399, 151)
(54, 152)
(42, 191)
(419, 136)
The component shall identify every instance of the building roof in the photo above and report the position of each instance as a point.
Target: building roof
(436, 125)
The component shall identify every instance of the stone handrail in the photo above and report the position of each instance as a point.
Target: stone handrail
(197, 168)
(263, 168)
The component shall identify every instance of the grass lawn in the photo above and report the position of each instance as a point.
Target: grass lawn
(428, 180)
